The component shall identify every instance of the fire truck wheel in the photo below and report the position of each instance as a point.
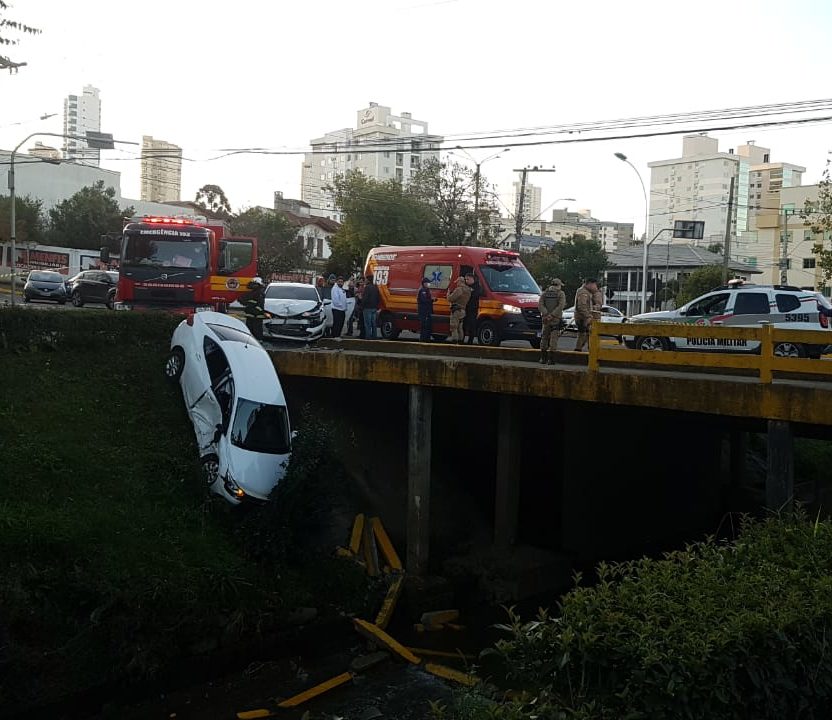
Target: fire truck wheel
(175, 364)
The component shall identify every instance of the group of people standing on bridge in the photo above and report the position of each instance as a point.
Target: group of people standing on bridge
(588, 300)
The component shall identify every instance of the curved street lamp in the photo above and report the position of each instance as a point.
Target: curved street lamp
(623, 158)
(477, 185)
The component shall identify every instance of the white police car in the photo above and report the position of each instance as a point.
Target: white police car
(740, 304)
(235, 402)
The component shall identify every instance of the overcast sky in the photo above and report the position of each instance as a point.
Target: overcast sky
(209, 75)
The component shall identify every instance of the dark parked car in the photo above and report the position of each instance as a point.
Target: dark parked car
(93, 286)
(44, 285)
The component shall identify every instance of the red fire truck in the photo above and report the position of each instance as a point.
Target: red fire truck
(178, 263)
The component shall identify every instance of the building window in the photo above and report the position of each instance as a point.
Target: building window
(386, 170)
(399, 174)
(387, 153)
(808, 263)
(320, 248)
(399, 158)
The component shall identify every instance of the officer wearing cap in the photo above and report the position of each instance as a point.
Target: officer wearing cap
(551, 305)
(424, 303)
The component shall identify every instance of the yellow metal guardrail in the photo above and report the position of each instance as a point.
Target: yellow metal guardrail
(763, 360)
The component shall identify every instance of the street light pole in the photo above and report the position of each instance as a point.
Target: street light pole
(103, 141)
(623, 158)
(477, 186)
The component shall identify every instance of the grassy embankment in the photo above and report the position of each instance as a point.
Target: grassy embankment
(112, 559)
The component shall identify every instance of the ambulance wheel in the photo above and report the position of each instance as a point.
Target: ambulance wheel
(487, 334)
(439, 338)
(535, 343)
(389, 331)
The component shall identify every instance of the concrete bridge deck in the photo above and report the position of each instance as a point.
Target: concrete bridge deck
(662, 424)
(734, 392)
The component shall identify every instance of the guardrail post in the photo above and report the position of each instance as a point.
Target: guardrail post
(594, 343)
(418, 479)
(766, 352)
(780, 475)
(507, 499)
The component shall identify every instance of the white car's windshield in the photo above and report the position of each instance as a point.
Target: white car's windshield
(291, 292)
(260, 427)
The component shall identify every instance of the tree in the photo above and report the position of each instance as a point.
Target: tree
(80, 221)
(699, 282)
(29, 222)
(279, 248)
(572, 260)
(818, 216)
(716, 248)
(8, 28)
(212, 199)
(449, 190)
(377, 213)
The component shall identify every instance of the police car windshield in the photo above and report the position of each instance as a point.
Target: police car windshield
(156, 252)
(291, 292)
(509, 279)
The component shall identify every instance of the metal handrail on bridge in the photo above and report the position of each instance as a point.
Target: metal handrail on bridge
(764, 361)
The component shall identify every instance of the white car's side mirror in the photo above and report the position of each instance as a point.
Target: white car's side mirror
(294, 434)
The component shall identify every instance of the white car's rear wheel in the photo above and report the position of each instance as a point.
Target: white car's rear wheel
(175, 364)
(210, 469)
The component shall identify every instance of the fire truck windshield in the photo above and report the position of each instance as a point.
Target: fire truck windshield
(163, 253)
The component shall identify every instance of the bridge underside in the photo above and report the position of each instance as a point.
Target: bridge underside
(586, 464)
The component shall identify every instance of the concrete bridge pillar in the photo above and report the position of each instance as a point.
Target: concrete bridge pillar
(780, 475)
(420, 407)
(508, 482)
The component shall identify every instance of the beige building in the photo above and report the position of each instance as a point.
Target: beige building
(532, 201)
(82, 114)
(782, 244)
(161, 179)
(383, 146)
(45, 151)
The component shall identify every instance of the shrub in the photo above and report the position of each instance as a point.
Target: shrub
(714, 631)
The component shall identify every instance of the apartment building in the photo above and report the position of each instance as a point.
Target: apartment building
(82, 113)
(532, 201)
(382, 145)
(161, 171)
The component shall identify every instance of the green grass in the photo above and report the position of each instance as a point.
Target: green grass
(112, 558)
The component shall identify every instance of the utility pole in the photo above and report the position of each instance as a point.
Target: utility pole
(784, 249)
(726, 249)
(518, 217)
(477, 205)
(519, 220)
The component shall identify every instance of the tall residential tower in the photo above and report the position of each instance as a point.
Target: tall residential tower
(161, 171)
(82, 113)
(382, 146)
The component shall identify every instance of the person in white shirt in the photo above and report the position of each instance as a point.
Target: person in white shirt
(339, 307)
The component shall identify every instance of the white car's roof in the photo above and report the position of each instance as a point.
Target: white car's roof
(290, 284)
(215, 318)
(254, 375)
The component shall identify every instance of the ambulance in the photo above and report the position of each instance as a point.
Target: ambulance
(508, 307)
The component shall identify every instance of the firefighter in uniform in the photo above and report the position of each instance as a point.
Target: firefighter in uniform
(253, 302)
(551, 305)
(584, 307)
(458, 299)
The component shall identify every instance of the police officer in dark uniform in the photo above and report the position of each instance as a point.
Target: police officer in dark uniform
(253, 302)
